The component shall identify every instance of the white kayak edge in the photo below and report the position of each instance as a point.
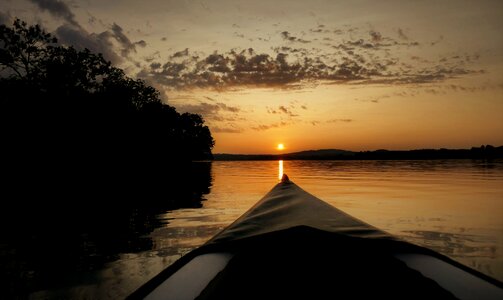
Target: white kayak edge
(460, 283)
(189, 281)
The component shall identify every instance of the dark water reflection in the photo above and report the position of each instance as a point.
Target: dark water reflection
(56, 247)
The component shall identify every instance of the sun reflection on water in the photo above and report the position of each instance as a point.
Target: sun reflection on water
(280, 169)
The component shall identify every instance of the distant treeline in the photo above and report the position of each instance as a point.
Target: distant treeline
(69, 120)
(482, 152)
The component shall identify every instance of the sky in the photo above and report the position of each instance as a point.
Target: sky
(354, 75)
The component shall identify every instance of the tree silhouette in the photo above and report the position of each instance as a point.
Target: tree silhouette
(70, 111)
(23, 49)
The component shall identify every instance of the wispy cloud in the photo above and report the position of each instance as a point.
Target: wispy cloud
(220, 115)
(58, 9)
(181, 53)
(287, 36)
(282, 110)
(226, 129)
(269, 126)
(376, 36)
(208, 109)
(286, 111)
(340, 120)
(402, 34)
(375, 99)
(80, 39)
(125, 43)
(114, 44)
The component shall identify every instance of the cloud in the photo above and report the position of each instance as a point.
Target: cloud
(464, 88)
(366, 57)
(373, 100)
(141, 43)
(113, 44)
(269, 126)
(155, 65)
(212, 112)
(239, 35)
(81, 39)
(123, 40)
(225, 107)
(58, 9)
(284, 109)
(271, 111)
(286, 36)
(402, 35)
(181, 53)
(225, 70)
(340, 120)
(109, 43)
(242, 69)
(226, 129)
(376, 99)
(434, 91)
(246, 68)
(281, 110)
(376, 36)
(287, 111)
(205, 109)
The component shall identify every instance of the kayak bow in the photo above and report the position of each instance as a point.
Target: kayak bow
(294, 245)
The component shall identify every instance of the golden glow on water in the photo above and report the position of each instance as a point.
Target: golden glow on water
(280, 169)
(451, 206)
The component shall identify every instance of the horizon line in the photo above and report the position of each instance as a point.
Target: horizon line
(355, 151)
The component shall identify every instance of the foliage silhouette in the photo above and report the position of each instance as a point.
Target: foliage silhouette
(66, 112)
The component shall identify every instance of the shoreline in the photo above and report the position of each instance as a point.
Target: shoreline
(483, 152)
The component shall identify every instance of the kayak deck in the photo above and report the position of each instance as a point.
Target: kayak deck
(293, 245)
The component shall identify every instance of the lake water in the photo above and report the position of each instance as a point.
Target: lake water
(452, 206)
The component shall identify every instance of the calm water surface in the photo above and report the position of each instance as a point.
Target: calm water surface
(452, 206)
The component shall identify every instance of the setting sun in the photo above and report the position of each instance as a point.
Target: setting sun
(280, 147)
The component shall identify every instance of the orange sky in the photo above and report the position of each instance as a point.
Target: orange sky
(355, 75)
